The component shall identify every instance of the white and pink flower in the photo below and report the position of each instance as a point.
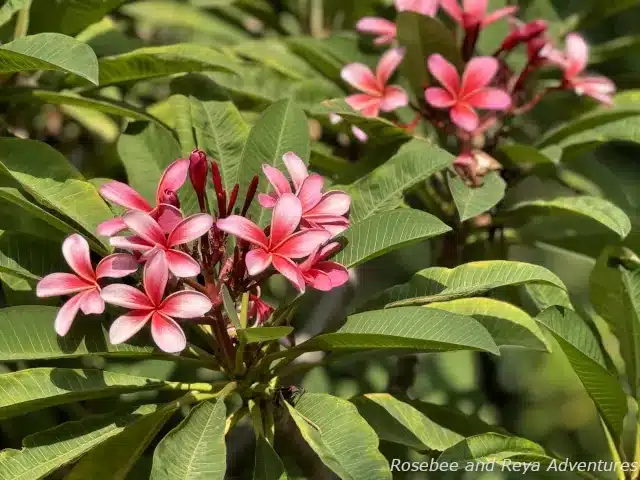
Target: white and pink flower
(474, 13)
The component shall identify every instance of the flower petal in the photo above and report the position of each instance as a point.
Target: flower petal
(388, 64)
(190, 229)
(302, 243)
(361, 77)
(490, 99)
(276, 179)
(424, 7)
(453, 10)
(439, 97)
(67, 314)
(267, 201)
(167, 216)
(185, 304)
(155, 277)
(127, 325)
(117, 265)
(285, 219)
(173, 178)
(360, 134)
(57, 284)
(577, 54)
(367, 105)
(92, 302)
(338, 274)
(445, 73)
(76, 252)
(167, 334)
(111, 227)
(465, 117)
(376, 26)
(145, 227)
(296, 168)
(335, 202)
(182, 265)
(394, 97)
(244, 229)
(133, 243)
(478, 74)
(310, 192)
(290, 271)
(476, 9)
(257, 261)
(318, 280)
(498, 14)
(126, 296)
(125, 196)
(334, 224)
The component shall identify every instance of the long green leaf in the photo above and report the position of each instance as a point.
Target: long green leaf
(69, 16)
(582, 349)
(195, 449)
(340, 437)
(263, 334)
(27, 256)
(472, 201)
(441, 284)
(277, 56)
(268, 465)
(49, 51)
(36, 388)
(387, 231)
(379, 190)
(58, 185)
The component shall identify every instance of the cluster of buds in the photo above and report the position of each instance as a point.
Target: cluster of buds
(485, 83)
(188, 264)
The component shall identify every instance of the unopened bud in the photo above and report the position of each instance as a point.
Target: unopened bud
(524, 33)
(198, 168)
(170, 197)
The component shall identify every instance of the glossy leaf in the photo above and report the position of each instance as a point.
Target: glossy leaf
(472, 201)
(268, 465)
(29, 257)
(69, 16)
(263, 334)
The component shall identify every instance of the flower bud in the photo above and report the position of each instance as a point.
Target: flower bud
(198, 168)
(170, 198)
(524, 33)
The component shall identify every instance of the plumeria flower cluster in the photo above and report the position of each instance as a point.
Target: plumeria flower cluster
(179, 266)
(473, 100)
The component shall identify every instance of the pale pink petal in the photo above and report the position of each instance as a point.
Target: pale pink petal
(394, 97)
(111, 227)
(76, 252)
(155, 277)
(91, 302)
(173, 178)
(478, 74)
(126, 296)
(167, 334)
(490, 99)
(302, 243)
(338, 274)
(376, 26)
(289, 270)
(439, 97)
(67, 314)
(167, 216)
(335, 119)
(453, 9)
(388, 64)
(133, 243)
(127, 325)
(190, 229)
(362, 101)
(445, 73)
(145, 227)
(424, 7)
(257, 261)
(318, 280)
(334, 202)
(285, 219)
(267, 201)
(310, 193)
(360, 134)
(372, 110)
(385, 39)
(577, 54)
(360, 76)
(277, 180)
(182, 265)
(599, 88)
(185, 304)
(125, 196)
(334, 224)
(57, 284)
(117, 265)
(296, 168)
(465, 117)
(498, 14)
(244, 229)
(475, 9)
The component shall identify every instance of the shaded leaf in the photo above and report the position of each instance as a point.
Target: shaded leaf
(263, 334)
(472, 201)
(268, 465)
(29, 257)
(69, 16)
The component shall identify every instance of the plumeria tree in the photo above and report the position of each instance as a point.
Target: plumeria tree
(317, 239)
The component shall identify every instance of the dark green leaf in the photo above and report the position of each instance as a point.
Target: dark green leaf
(472, 201)
(268, 465)
(69, 16)
(27, 256)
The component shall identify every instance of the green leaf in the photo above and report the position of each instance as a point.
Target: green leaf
(49, 51)
(195, 449)
(280, 129)
(407, 328)
(379, 190)
(268, 465)
(230, 307)
(424, 36)
(602, 9)
(69, 16)
(263, 334)
(151, 62)
(598, 209)
(472, 201)
(398, 422)
(614, 49)
(113, 459)
(583, 351)
(10, 8)
(615, 295)
(26, 333)
(37, 388)
(58, 186)
(441, 284)
(275, 55)
(387, 231)
(340, 437)
(46, 451)
(28, 257)
(508, 325)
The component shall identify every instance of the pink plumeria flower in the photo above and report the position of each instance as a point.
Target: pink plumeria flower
(384, 30)
(473, 13)
(462, 97)
(319, 210)
(574, 62)
(424, 7)
(377, 95)
(150, 240)
(84, 284)
(283, 245)
(149, 306)
(322, 274)
(259, 310)
(165, 210)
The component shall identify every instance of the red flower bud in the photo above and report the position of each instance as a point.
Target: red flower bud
(221, 194)
(198, 174)
(170, 198)
(524, 33)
